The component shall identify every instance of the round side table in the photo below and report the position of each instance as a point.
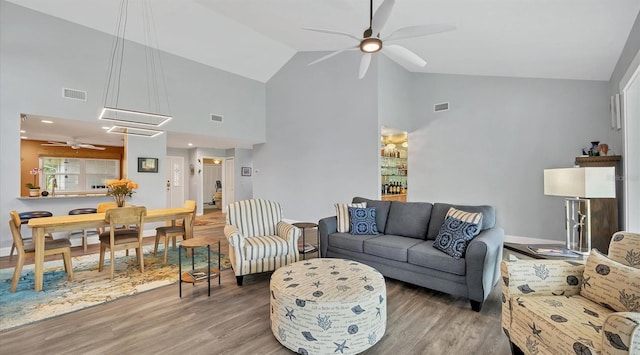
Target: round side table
(194, 275)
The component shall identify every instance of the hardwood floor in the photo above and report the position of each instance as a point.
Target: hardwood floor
(235, 320)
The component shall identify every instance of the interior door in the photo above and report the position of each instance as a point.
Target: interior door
(632, 149)
(175, 182)
(228, 195)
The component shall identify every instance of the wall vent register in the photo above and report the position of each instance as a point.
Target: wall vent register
(441, 107)
(74, 94)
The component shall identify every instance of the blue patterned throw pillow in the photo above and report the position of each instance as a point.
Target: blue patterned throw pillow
(363, 221)
(454, 236)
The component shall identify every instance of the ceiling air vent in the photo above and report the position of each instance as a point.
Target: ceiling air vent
(216, 118)
(74, 94)
(441, 107)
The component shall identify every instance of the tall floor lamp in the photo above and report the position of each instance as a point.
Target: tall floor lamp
(578, 185)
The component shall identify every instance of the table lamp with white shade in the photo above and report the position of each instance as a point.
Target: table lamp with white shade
(578, 185)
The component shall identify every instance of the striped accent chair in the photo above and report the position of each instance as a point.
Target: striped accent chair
(258, 240)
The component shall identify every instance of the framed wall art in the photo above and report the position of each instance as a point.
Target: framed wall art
(147, 165)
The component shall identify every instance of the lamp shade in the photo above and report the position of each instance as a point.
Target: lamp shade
(595, 182)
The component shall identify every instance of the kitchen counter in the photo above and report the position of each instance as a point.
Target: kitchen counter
(62, 197)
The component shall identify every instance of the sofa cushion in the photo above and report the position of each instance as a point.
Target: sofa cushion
(363, 220)
(382, 210)
(440, 210)
(389, 247)
(342, 214)
(611, 283)
(408, 219)
(425, 255)
(349, 241)
(454, 236)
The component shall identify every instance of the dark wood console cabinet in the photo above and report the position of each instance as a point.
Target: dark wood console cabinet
(604, 211)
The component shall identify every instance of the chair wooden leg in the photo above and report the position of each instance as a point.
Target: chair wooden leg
(174, 243)
(16, 273)
(66, 258)
(84, 240)
(13, 247)
(155, 247)
(113, 257)
(166, 248)
(103, 249)
(140, 258)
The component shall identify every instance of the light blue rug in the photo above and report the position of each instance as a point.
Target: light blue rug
(89, 287)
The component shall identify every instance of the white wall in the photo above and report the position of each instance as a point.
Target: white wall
(243, 186)
(322, 136)
(498, 136)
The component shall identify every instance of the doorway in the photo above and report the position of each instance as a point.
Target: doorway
(631, 112)
(212, 183)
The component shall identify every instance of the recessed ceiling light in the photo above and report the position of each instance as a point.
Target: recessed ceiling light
(190, 144)
(23, 131)
(46, 121)
(24, 137)
(105, 127)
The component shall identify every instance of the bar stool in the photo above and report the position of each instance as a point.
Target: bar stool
(24, 219)
(78, 211)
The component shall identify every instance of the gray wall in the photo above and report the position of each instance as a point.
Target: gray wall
(499, 135)
(40, 54)
(322, 136)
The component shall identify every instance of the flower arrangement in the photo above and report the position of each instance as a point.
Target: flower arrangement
(34, 172)
(120, 189)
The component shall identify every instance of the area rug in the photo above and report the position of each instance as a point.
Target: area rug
(89, 287)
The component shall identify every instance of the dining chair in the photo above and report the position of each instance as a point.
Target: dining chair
(24, 219)
(123, 239)
(102, 208)
(173, 231)
(27, 250)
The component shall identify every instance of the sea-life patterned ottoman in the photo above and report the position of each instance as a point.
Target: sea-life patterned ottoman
(328, 306)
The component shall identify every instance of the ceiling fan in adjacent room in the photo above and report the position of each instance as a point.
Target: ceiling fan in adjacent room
(371, 42)
(73, 144)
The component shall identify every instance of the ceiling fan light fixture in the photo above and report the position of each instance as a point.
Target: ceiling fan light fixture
(371, 45)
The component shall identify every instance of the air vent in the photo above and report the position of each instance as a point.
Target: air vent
(216, 118)
(74, 94)
(441, 107)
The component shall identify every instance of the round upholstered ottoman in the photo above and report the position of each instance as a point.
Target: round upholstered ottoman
(324, 306)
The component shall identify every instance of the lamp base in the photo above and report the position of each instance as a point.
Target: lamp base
(578, 225)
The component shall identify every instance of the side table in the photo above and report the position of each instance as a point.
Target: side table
(197, 275)
(315, 247)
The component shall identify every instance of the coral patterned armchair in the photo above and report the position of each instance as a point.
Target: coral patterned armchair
(259, 240)
(575, 307)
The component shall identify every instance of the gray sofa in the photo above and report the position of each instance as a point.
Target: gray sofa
(403, 249)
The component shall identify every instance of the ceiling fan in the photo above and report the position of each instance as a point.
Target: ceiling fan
(73, 144)
(371, 42)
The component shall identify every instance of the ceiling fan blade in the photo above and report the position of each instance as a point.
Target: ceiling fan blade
(54, 144)
(89, 146)
(401, 53)
(364, 65)
(332, 54)
(381, 16)
(418, 31)
(331, 32)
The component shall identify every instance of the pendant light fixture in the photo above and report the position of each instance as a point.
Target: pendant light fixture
(130, 120)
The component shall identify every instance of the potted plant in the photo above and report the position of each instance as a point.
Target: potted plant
(34, 189)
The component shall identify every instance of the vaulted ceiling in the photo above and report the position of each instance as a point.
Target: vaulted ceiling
(565, 39)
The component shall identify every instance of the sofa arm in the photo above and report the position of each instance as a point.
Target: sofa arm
(233, 235)
(326, 226)
(482, 258)
(621, 333)
(540, 277)
(288, 232)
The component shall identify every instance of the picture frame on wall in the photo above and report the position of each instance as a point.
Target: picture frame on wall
(246, 171)
(147, 165)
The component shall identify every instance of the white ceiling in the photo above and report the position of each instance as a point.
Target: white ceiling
(562, 39)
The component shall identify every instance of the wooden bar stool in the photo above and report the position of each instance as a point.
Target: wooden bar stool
(24, 219)
(84, 234)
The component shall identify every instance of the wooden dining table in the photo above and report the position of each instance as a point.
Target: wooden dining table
(41, 226)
